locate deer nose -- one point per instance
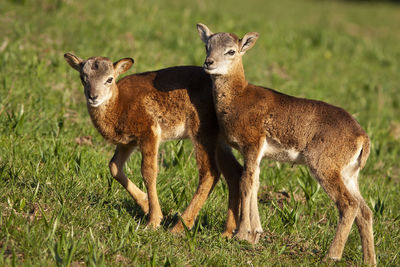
(208, 62)
(93, 98)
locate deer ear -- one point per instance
(248, 40)
(123, 65)
(204, 32)
(74, 61)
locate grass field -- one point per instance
(60, 206)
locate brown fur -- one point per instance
(261, 122)
(148, 108)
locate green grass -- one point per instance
(58, 202)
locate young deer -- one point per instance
(261, 122)
(143, 110)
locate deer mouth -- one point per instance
(100, 100)
(93, 103)
(208, 69)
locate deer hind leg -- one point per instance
(364, 214)
(232, 171)
(346, 202)
(364, 224)
(149, 149)
(116, 166)
(208, 178)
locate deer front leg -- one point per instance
(149, 149)
(254, 214)
(249, 177)
(122, 153)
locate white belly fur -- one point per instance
(273, 150)
(175, 133)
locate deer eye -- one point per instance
(230, 52)
(109, 80)
(82, 79)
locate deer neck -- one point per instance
(228, 86)
(105, 116)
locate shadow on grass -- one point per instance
(125, 205)
(130, 207)
(170, 221)
(134, 210)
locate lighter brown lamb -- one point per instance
(263, 123)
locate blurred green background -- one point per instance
(58, 202)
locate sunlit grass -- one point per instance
(60, 206)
